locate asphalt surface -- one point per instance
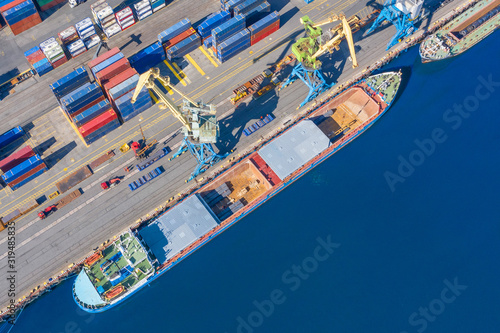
(44, 248)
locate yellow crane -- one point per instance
(200, 126)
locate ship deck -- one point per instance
(124, 253)
(245, 184)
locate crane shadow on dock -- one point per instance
(133, 39)
(59, 154)
(245, 114)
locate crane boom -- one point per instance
(147, 80)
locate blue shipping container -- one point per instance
(108, 62)
(208, 42)
(184, 47)
(22, 168)
(233, 45)
(174, 30)
(30, 178)
(10, 136)
(92, 112)
(84, 93)
(264, 23)
(124, 87)
(247, 6)
(31, 51)
(147, 58)
(66, 84)
(257, 13)
(214, 20)
(228, 29)
(229, 6)
(96, 135)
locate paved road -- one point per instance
(46, 247)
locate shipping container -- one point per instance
(102, 131)
(40, 172)
(156, 5)
(19, 180)
(114, 69)
(86, 106)
(11, 136)
(73, 101)
(128, 110)
(22, 168)
(68, 35)
(174, 30)
(257, 13)
(229, 5)
(103, 57)
(171, 42)
(124, 87)
(128, 73)
(264, 23)
(184, 47)
(214, 20)
(143, 9)
(147, 58)
(265, 32)
(92, 112)
(247, 6)
(111, 60)
(42, 67)
(233, 45)
(16, 158)
(97, 122)
(227, 29)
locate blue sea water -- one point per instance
(420, 255)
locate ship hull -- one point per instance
(277, 188)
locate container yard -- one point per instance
(83, 108)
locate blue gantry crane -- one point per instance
(200, 126)
(402, 14)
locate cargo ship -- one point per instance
(465, 31)
(138, 257)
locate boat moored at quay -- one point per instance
(137, 257)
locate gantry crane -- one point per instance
(200, 126)
(307, 50)
(401, 13)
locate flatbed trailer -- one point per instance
(68, 198)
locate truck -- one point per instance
(59, 204)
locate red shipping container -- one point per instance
(116, 80)
(104, 56)
(11, 5)
(171, 42)
(99, 100)
(27, 174)
(17, 158)
(25, 24)
(51, 4)
(264, 33)
(59, 62)
(112, 70)
(35, 57)
(97, 123)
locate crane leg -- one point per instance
(312, 78)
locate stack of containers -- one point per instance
(92, 112)
(110, 67)
(227, 29)
(68, 36)
(147, 58)
(17, 158)
(54, 52)
(116, 80)
(212, 21)
(156, 5)
(180, 37)
(125, 18)
(87, 33)
(124, 104)
(229, 5)
(233, 45)
(76, 48)
(184, 47)
(99, 126)
(38, 61)
(11, 136)
(257, 13)
(81, 99)
(24, 172)
(105, 18)
(70, 82)
(143, 9)
(264, 27)
(247, 6)
(20, 15)
(174, 30)
(47, 4)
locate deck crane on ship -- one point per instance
(307, 50)
(401, 13)
(200, 126)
